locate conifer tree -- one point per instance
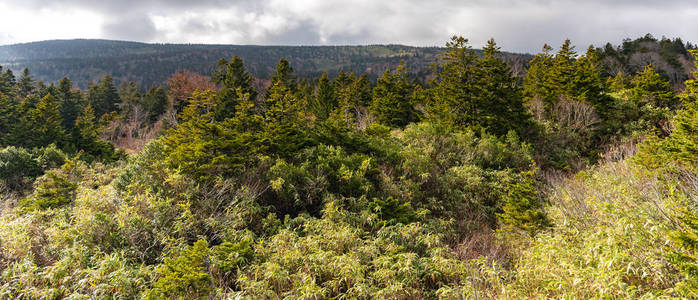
(46, 122)
(25, 84)
(7, 82)
(8, 120)
(104, 97)
(538, 82)
(154, 103)
(498, 95)
(283, 80)
(232, 76)
(454, 93)
(325, 99)
(651, 88)
(393, 99)
(131, 97)
(69, 101)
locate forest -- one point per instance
(575, 178)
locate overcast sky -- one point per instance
(517, 25)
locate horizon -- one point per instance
(517, 25)
(577, 47)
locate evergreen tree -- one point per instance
(283, 80)
(651, 88)
(69, 101)
(131, 97)
(285, 119)
(104, 97)
(8, 120)
(454, 100)
(538, 82)
(498, 95)
(588, 81)
(393, 99)
(232, 76)
(324, 100)
(25, 84)
(46, 122)
(155, 103)
(7, 83)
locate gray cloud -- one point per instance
(518, 25)
(133, 27)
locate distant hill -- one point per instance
(89, 60)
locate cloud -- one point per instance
(134, 27)
(518, 25)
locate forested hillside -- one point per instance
(562, 181)
(90, 60)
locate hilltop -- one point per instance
(89, 60)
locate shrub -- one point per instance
(53, 190)
(17, 167)
(184, 276)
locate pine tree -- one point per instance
(46, 122)
(7, 83)
(25, 85)
(69, 101)
(393, 99)
(325, 99)
(104, 97)
(498, 96)
(155, 103)
(232, 76)
(651, 88)
(454, 93)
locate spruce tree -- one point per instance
(8, 120)
(453, 96)
(69, 101)
(104, 97)
(7, 82)
(498, 95)
(232, 76)
(154, 103)
(46, 123)
(325, 99)
(648, 87)
(25, 85)
(286, 120)
(393, 99)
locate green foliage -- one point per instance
(684, 254)
(17, 167)
(53, 190)
(325, 99)
(395, 98)
(46, 123)
(184, 276)
(302, 194)
(522, 207)
(651, 88)
(392, 211)
(103, 96)
(480, 93)
(232, 76)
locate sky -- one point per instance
(516, 25)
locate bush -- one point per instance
(17, 167)
(184, 276)
(53, 190)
